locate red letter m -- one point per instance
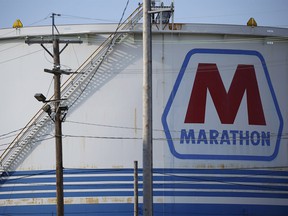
(226, 104)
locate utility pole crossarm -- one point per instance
(43, 41)
(50, 41)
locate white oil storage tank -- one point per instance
(219, 120)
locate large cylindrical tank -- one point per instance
(219, 122)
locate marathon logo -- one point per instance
(234, 109)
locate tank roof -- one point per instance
(182, 28)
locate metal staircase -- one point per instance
(74, 90)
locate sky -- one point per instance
(37, 12)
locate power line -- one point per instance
(17, 130)
(9, 133)
(21, 56)
(104, 56)
(3, 50)
(283, 136)
(103, 125)
(28, 143)
(41, 20)
(102, 137)
(85, 18)
(272, 135)
(114, 138)
(29, 25)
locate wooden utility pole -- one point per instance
(58, 109)
(147, 111)
(58, 130)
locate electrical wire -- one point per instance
(52, 79)
(12, 31)
(121, 138)
(196, 133)
(29, 25)
(41, 20)
(105, 54)
(76, 56)
(17, 45)
(199, 141)
(85, 18)
(3, 136)
(102, 137)
(107, 125)
(21, 56)
(138, 128)
(28, 143)
(9, 133)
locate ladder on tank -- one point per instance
(73, 90)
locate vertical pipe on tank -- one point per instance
(135, 188)
(147, 111)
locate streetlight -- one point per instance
(40, 97)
